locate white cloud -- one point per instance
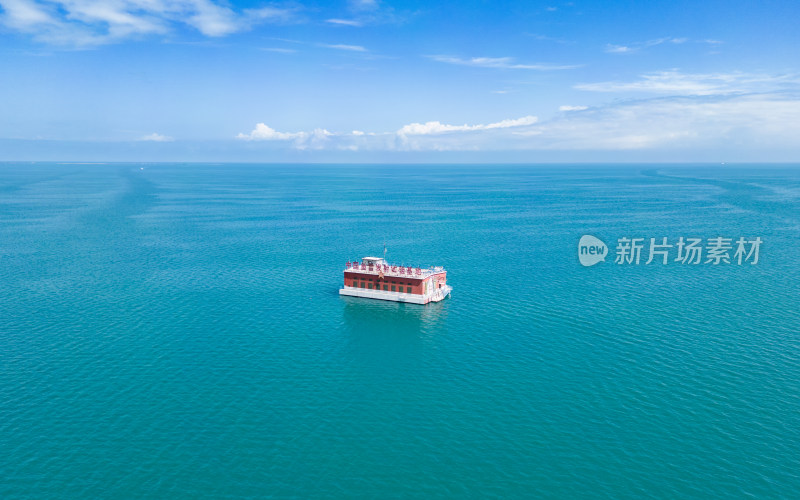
(211, 19)
(406, 137)
(747, 121)
(316, 139)
(572, 108)
(439, 136)
(262, 132)
(345, 22)
(155, 137)
(22, 14)
(414, 136)
(439, 128)
(497, 62)
(92, 22)
(341, 46)
(674, 82)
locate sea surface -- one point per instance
(175, 331)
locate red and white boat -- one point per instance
(374, 278)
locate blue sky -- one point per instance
(193, 80)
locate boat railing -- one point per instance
(391, 269)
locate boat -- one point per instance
(374, 278)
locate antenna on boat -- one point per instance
(382, 264)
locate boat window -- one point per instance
(394, 288)
(408, 289)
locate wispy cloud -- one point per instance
(497, 62)
(674, 82)
(279, 50)
(270, 14)
(368, 12)
(341, 46)
(84, 23)
(412, 136)
(676, 122)
(638, 46)
(546, 38)
(436, 127)
(155, 137)
(335, 46)
(761, 120)
(363, 4)
(345, 22)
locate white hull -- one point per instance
(411, 298)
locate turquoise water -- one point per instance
(175, 331)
